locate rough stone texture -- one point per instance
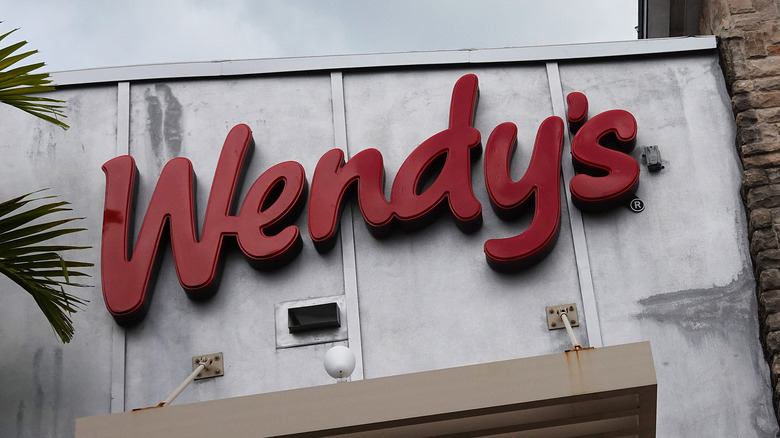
(769, 258)
(755, 178)
(748, 34)
(754, 45)
(762, 240)
(773, 175)
(762, 67)
(741, 6)
(766, 196)
(761, 145)
(762, 84)
(760, 218)
(768, 115)
(770, 279)
(770, 160)
(773, 339)
(770, 301)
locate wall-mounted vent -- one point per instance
(311, 321)
(316, 317)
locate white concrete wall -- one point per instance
(677, 274)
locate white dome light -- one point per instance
(340, 362)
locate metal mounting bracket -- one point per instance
(215, 365)
(554, 319)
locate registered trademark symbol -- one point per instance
(636, 205)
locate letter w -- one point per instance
(128, 279)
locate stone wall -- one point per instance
(748, 34)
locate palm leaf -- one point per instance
(10, 222)
(40, 269)
(11, 60)
(36, 228)
(11, 205)
(17, 83)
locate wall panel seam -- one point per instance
(347, 231)
(118, 341)
(587, 292)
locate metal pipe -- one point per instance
(184, 384)
(575, 345)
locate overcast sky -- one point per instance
(78, 34)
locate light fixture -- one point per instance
(340, 363)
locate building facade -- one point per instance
(749, 44)
(427, 296)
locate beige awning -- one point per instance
(602, 392)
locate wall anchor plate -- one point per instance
(215, 367)
(553, 314)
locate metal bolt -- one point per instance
(571, 308)
(200, 375)
(216, 357)
(553, 325)
(218, 370)
(573, 322)
(551, 311)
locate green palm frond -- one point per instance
(18, 83)
(37, 266)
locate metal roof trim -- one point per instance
(381, 60)
(607, 391)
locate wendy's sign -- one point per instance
(263, 226)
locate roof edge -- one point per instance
(379, 60)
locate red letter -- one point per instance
(329, 186)
(577, 112)
(458, 145)
(540, 186)
(332, 178)
(127, 280)
(599, 150)
(264, 233)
